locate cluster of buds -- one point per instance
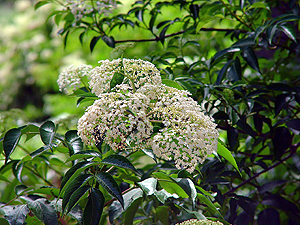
(135, 110)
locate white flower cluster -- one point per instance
(71, 77)
(80, 8)
(140, 112)
(200, 222)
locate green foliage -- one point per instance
(238, 59)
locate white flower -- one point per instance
(200, 222)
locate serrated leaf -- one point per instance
(119, 161)
(172, 83)
(116, 79)
(43, 211)
(72, 187)
(93, 42)
(10, 142)
(47, 132)
(72, 173)
(250, 57)
(17, 214)
(84, 154)
(115, 210)
(110, 185)
(76, 196)
(225, 153)
(289, 30)
(74, 142)
(94, 207)
(148, 185)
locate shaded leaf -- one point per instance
(94, 207)
(194, 10)
(76, 196)
(116, 79)
(281, 203)
(162, 214)
(294, 126)
(289, 30)
(119, 161)
(246, 127)
(281, 140)
(204, 200)
(116, 209)
(131, 211)
(110, 185)
(93, 42)
(188, 186)
(163, 34)
(223, 52)
(84, 154)
(281, 102)
(270, 185)
(149, 152)
(10, 142)
(110, 41)
(250, 57)
(223, 71)
(270, 31)
(268, 216)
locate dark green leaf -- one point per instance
(188, 186)
(119, 161)
(139, 15)
(39, 151)
(289, 30)
(93, 42)
(131, 211)
(4, 221)
(221, 53)
(294, 126)
(162, 214)
(246, 127)
(116, 209)
(72, 173)
(270, 185)
(94, 207)
(19, 189)
(271, 30)
(281, 203)
(116, 79)
(244, 43)
(110, 185)
(10, 142)
(250, 57)
(74, 142)
(282, 140)
(84, 154)
(110, 41)
(76, 196)
(268, 216)
(194, 10)
(30, 131)
(223, 71)
(43, 211)
(281, 102)
(72, 187)
(163, 34)
(16, 215)
(204, 200)
(47, 132)
(17, 171)
(234, 72)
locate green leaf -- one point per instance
(39, 151)
(204, 200)
(250, 57)
(148, 185)
(119, 161)
(149, 152)
(3, 178)
(17, 171)
(110, 185)
(72, 187)
(72, 173)
(30, 131)
(172, 83)
(43, 211)
(19, 189)
(74, 142)
(10, 142)
(261, 5)
(40, 4)
(116, 79)
(76, 196)
(94, 207)
(270, 31)
(116, 209)
(131, 211)
(94, 41)
(188, 186)
(223, 71)
(162, 214)
(289, 30)
(45, 190)
(84, 154)
(47, 132)
(4, 221)
(224, 152)
(217, 57)
(16, 215)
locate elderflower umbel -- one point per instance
(139, 112)
(80, 8)
(199, 222)
(71, 77)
